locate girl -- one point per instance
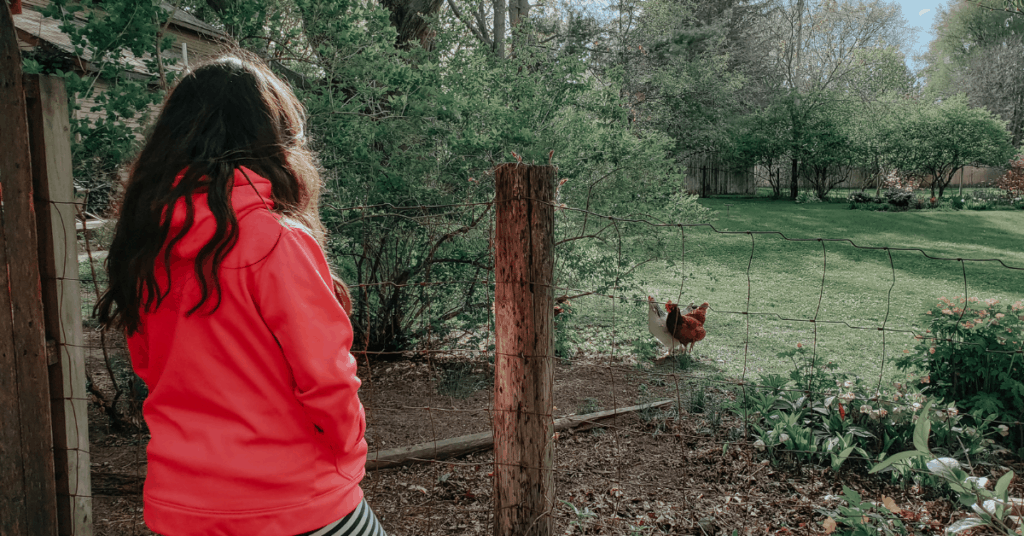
(234, 320)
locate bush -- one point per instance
(808, 197)
(861, 197)
(972, 355)
(920, 203)
(1012, 182)
(899, 197)
(825, 417)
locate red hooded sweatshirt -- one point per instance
(255, 422)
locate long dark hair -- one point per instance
(230, 111)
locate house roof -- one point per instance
(32, 28)
(183, 19)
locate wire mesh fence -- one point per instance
(694, 453)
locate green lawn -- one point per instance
(786, 279)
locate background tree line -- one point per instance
(412, 102)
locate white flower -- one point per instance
(1003, 430)
(783, 438)
(978, 481)
(759, 445)
(989, 507)
(847, 384)
(952, 412)
(847, 397)
(865, 409)
(944, 467)
(916, 406)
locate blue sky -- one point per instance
(923, 23)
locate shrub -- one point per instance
(899, 197)
(808, 197)
(567, 333)
(1012, 182)
(957, 203)
(919, 203)
(860, 197)
(972, 354)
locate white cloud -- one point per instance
(923, 11)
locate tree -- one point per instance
(979, 51)
(828, 148)
(759, 140)
(945, 137)
(828, 58)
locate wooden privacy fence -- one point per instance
(707, 175)
(44, 446)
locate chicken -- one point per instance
(687, 328)
(656, 323)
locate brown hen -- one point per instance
(688, 328)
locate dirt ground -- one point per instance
(655, 472)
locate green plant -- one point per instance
(808, 196)
(993, 508)
(972, 353)
(567, 335)
(697, 399)
(865, 518)
(899, 197)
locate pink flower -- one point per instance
(931, 351)
(926, 379)
(947, 312)
(991, 301)
(928, 313)
(972, 299)
(798, 345)
(1000, 315)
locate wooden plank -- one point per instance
(28, 500)
(50, 135)
(467, 444)
(524, 350)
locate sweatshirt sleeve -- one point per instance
(295, 296)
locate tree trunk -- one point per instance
(407, 18)
(499, 28)
(1017, 121)
(794, 186)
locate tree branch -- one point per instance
(458, 14)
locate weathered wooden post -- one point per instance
(27, 493)
(524, 350)
(50, 140)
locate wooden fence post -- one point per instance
(524, 350)
(28, 491)
(56, 222)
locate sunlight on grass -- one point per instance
(861, 289)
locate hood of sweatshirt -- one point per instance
(250, 193)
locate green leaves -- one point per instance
(923, 429)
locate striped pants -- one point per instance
(360, 522)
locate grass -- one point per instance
(787, 283)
